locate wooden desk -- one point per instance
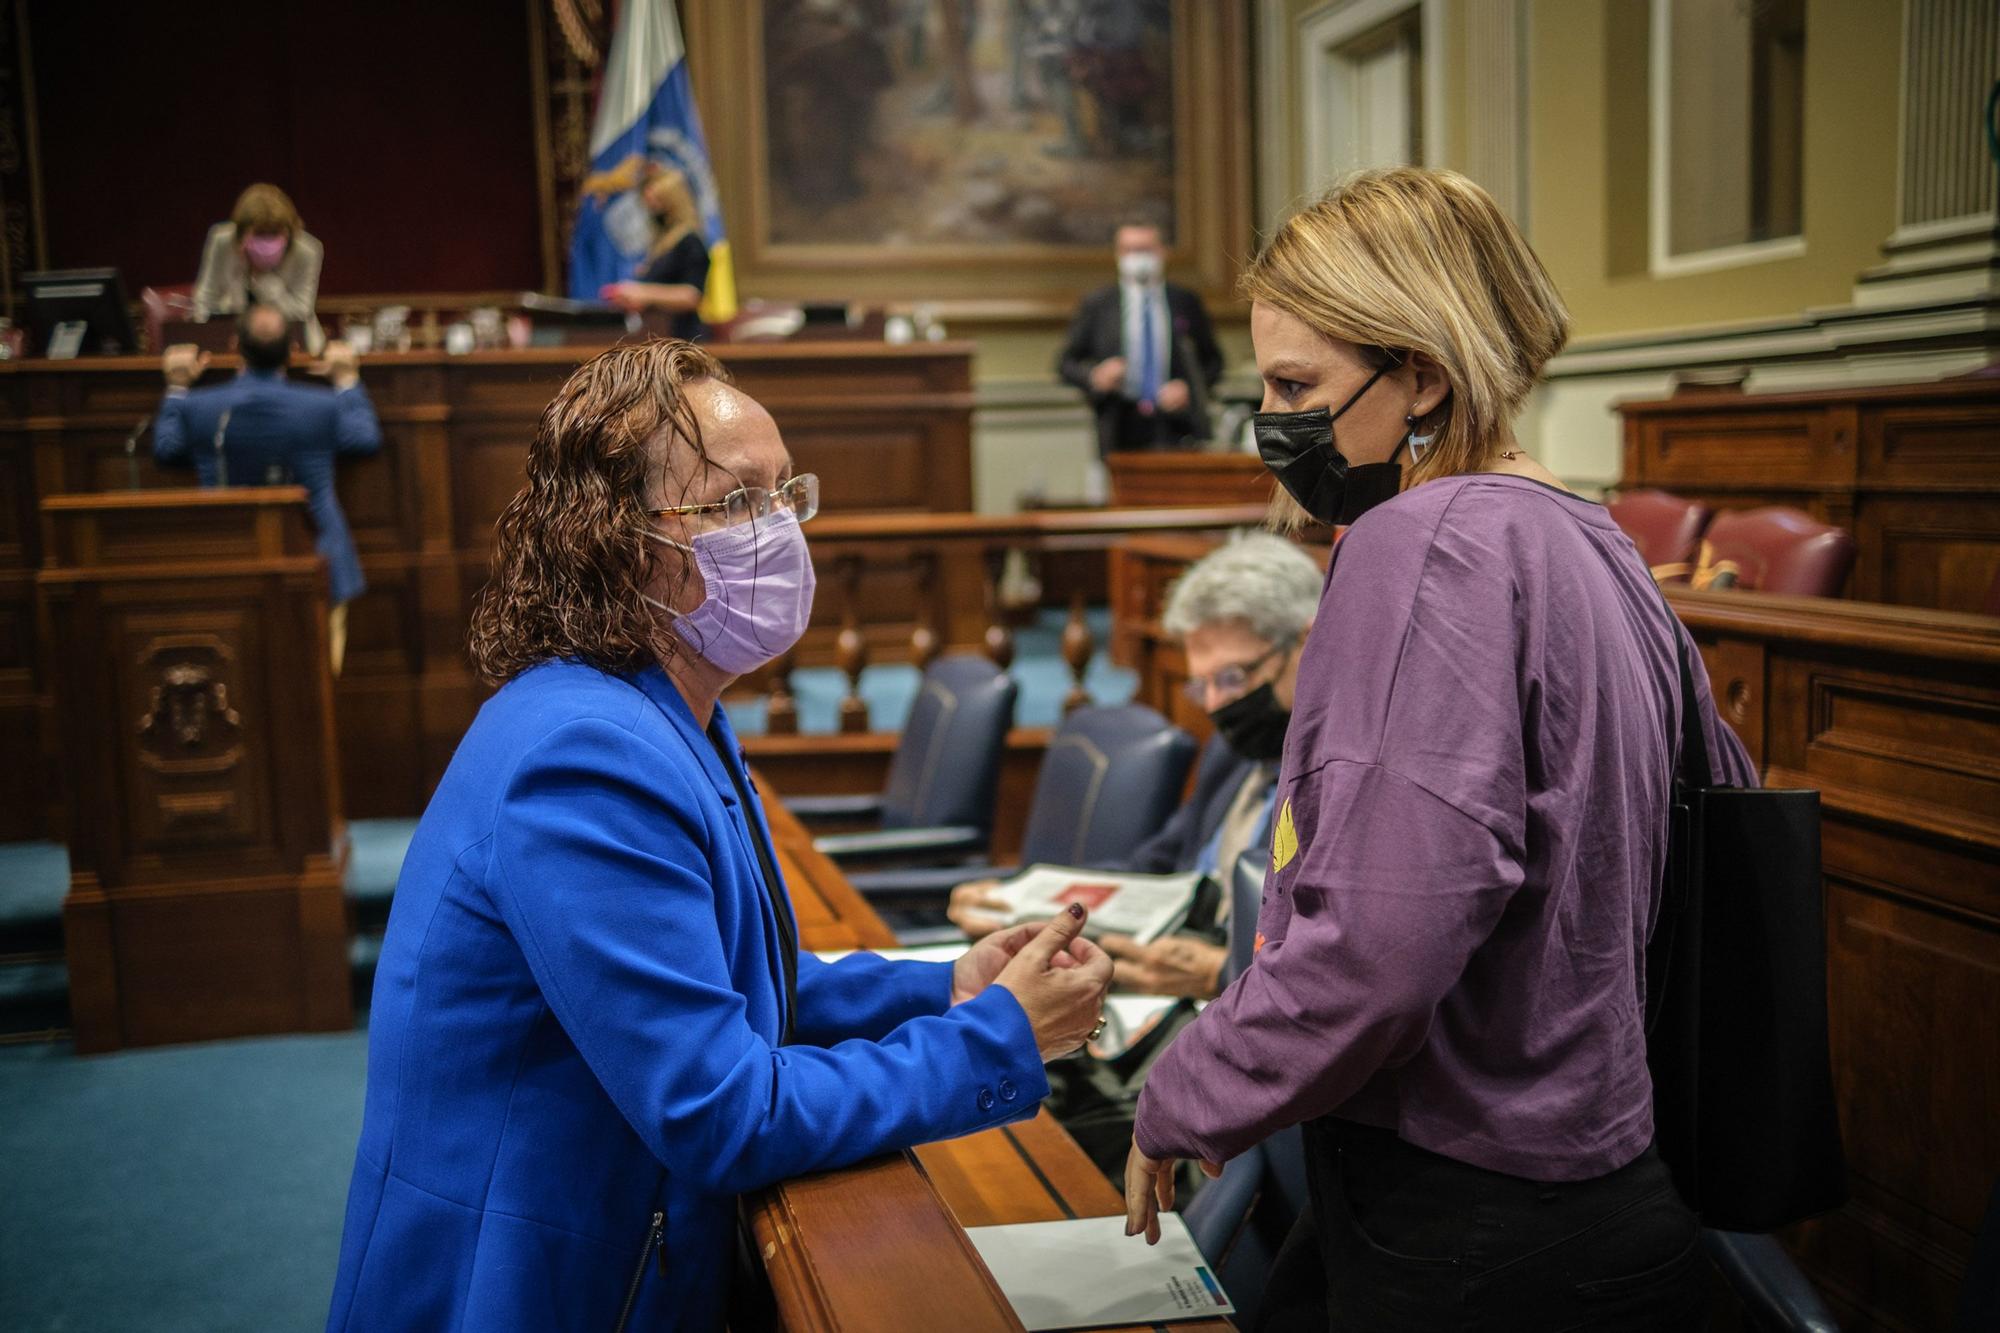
(885, 427)
(881, 1246)
(1912, 471)
(1186, 477)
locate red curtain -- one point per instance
(403, 131)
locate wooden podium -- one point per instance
(186, 639)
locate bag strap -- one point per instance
(1691, 764)
(1692, 771)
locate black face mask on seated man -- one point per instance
(1299, 447)
(1254, 724)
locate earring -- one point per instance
(1418, 443)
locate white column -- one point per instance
(1496, 101)
(1947, 235)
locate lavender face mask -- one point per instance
(759, 580)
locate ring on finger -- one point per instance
(1097, 1031)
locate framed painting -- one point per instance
(976, 152)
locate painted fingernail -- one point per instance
(1076, 910)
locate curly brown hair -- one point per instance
(571, 555)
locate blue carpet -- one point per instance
(190, 1188)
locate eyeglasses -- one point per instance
(1231, 682)
(800, 496)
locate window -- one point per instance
(1728, 118)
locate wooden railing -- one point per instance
(953, 567)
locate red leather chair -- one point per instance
(1775, 550)
(1666, 529)
(164, 305)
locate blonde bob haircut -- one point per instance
(1414, 260)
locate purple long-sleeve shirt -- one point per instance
(1469, 846)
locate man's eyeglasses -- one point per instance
(1231, 682)
(800, 496)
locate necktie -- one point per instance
(1149, 356)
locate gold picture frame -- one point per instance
(1211, 188)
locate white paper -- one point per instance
(1127, 1018)
(1142, 906)
(1087, 1273)
(927, 953)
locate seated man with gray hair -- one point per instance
(1241, 614)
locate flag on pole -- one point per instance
(645, 115)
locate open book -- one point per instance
(1142, 906)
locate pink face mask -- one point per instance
(265, 252)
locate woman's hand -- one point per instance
(1176, 965)
(974, 909)
(1149, 1187)
(1061, 980)
(977, 967)
(628, 296)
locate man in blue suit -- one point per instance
(261, 429)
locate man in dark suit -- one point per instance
(1143, 352)
(261, 429)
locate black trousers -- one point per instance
(1400, 1238)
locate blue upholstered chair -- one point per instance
(1110, 779)
(944, 777)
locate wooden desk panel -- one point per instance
(1912, 471)
(887, 427)
(881, 1246)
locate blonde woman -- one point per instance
(1472, 813)
(674, 273)
(262, 255)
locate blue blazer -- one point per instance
(277, 428)
(573, 1056)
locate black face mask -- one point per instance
(1254, 725)
(1298, 447)
(265, 354)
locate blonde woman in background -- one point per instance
(674, 273)
(1472, 814)
(262, 255)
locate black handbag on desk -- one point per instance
(1736, 1028)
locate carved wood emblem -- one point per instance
(189, 725)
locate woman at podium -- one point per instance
(592, 1024)
(262, 255)
(674, 274)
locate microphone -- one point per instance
(132, 453)
(221, 459)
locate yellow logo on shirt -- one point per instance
(1284, 840)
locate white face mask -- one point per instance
(1139, 266)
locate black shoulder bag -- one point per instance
(1736, 1033)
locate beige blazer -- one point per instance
(226, 279)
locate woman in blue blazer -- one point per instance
(592, 1026)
